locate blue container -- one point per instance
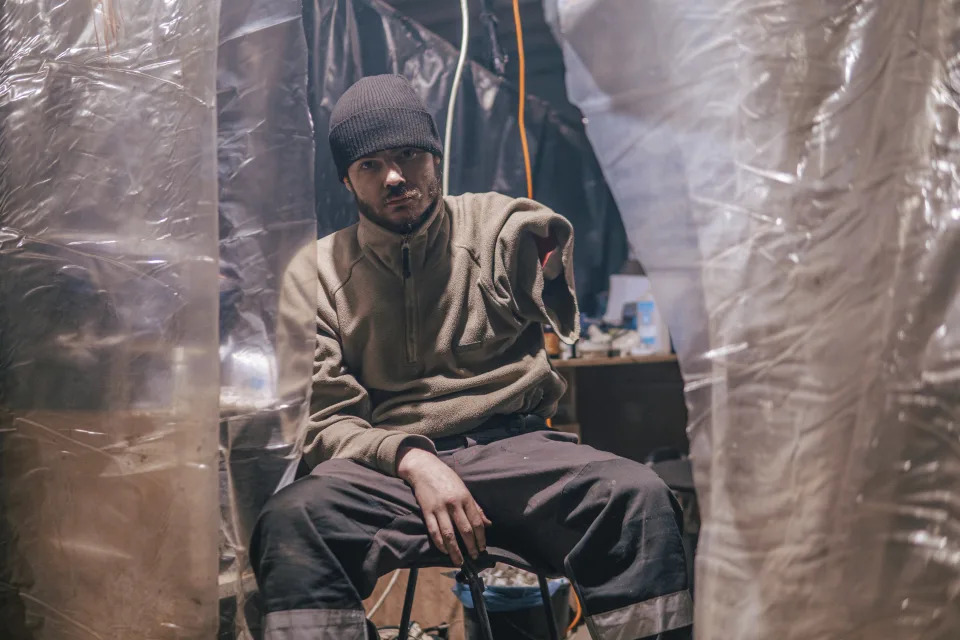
(516, 612)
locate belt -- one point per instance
(492, 430)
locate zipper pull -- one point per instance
(405, 255)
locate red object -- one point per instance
(545, 248)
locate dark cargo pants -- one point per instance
(607, 523)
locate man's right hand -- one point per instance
(446, 503)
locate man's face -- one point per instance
(396, 188)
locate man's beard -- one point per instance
(434, 189)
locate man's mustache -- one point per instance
(402, 192)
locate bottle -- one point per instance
(551, 342)
(651, 329)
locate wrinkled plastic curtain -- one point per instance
(108, 334)
(268, 282)
(788, 173)
(350, 39)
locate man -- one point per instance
(430, 392)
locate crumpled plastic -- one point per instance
(108, 336)
(787, 172)
(268, 282)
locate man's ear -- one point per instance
(346, 183)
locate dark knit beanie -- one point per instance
(378, 113)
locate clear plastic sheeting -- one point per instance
(108, 320)
(268, 279)
(788, 174)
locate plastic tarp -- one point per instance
(350, 39)
(788, 174)
(108, 330)
(268, 282)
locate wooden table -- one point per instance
(578, 363)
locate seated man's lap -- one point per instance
(528, 485)
(542, 491)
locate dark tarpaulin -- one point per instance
(350, 39)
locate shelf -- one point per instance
(575, 363)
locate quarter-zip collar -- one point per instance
(405, 255)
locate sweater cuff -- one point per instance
(390, 446)
(559, 293)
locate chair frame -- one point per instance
(469, 575)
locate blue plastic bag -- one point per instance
(501, 599)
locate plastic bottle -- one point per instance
(651, 329)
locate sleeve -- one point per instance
(339, 423)
(533, 267)
(296, 339)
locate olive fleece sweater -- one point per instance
(431, 334)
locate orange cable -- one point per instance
(523, 98)
(521, 111)
(576, 617)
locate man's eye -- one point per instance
(409, 153)
(366, 166)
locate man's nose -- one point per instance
(394, 177)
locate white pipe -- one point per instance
(386, 592)
(454, 90)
